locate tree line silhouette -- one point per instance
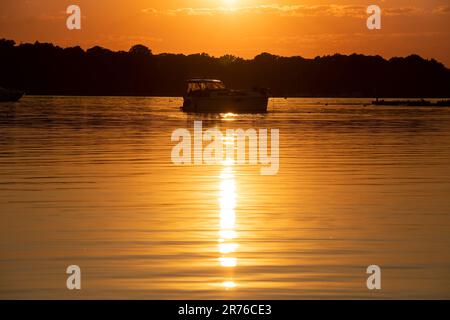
(43, 68)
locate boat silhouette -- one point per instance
(212, 96)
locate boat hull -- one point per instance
(226, 104)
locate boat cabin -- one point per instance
(199, 85)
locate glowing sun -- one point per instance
(229, 3)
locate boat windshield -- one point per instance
(202, 86)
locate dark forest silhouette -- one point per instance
(43, 68)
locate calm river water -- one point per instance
(89, 181)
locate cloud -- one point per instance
(122, 39)
(445, 9)
(149, 11)
(344, 37)
(310, 45)
(287, 10)
(404, 11)
(332, 10)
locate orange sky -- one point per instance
(241, 27)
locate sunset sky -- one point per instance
(241, 27)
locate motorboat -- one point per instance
(212, 96)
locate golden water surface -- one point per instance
(90, 182)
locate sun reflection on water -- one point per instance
(229, 284)
(228, 116)
(227, 244)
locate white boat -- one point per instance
(212, 96)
